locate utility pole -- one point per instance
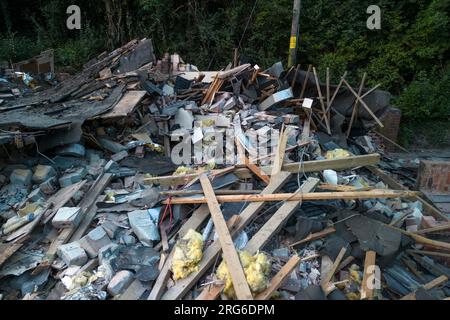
(294, 34)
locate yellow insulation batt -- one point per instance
(256, 269)
(337, 154)
(187, 255)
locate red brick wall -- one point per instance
(434, 176)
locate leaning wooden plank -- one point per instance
(218, 192)
(423, 240)
(326, 279)
(253, 167)
(281, 150)
(194, 222)
(430, 285)
(7, 250)
(345, 263)
(334, 164)
(232, 72)
(321, 100)
(346, 195)
(429, 253)
(306, 166)
(355, 106)
(278, 219)
(230, 254)
(315, 236)
(306, 128)
(88, 206)
(183, 286)
(336, 91)
(26, 230)
(367, 291)
(126, 105)
(257, 171)
(305, 81)
(443, 227)
(279, 278)
(364, 104)
(394, 184)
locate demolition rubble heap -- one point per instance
(305, 204)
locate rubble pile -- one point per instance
(148, 179)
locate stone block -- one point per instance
(43, 173)
(67, 217)
(21, 177)
(94, 241)
(72, 254)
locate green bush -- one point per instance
(426, 97)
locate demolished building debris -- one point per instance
(146, 179)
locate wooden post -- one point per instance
(355, 106)
(294, 34)
(369, 263)
(230, 255)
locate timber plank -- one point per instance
(230, 254)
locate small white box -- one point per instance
(307, 103)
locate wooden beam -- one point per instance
(209, 256)
(346, 195)
(7, 250)
(257, 171)
(334, 164)
(326, 279)
(369, 262)
(423, 240)
(251, 166)
(364, 104)
(355, 106)
(306, 166)
(295, 77)
(279, 278)
(430, 285)
(322, 104)
(305, 81)
(315, 236)
(230, 254)
(281, 150)
(278, 219)
(443, 227)
(336, 91)
(218, 192)
(429, 253)
(345, 263)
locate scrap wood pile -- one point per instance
(295, 207)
